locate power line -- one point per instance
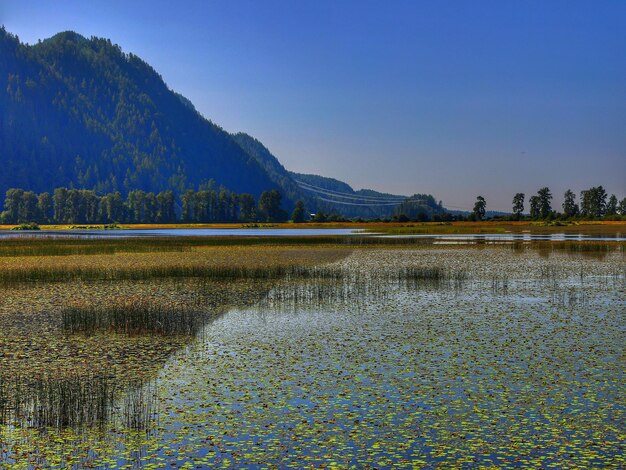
(330, 192)
(375, 204)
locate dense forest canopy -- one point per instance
(81, 113)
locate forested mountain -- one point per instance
(80, 113)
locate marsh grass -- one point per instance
(67, 245)
(75, 401)
(136, 317)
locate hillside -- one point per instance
(274, 169)
(81, 113)
(320, 193)
(333, 195)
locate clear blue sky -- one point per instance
(444, 97)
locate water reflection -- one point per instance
(387, 357)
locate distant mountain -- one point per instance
(320, 193)
(336, 196)
(79, 112)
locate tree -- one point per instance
(188, 205)
(44, 207)
(112, 208)
(269, 206)
(545, 198)
(621, 207)
(136, 202)
(518, 204)
(611, 205)
(570, 208)
(480, 207)
(12, 204)
(534, 206)
(59, 201)
(247, 206)
(593, 202)
(299, 213)
(165, 207)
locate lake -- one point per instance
(300, 232)
(427, 356)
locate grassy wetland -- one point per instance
(311, 352)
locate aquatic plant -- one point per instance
(135, 317)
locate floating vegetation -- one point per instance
(315, 356)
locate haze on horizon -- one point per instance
(449, 98)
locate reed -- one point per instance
(135, 317)
(75, 401)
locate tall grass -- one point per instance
(135, 317)
(75, 401)
(67, 245)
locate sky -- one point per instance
(452, 98)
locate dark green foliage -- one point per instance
(27, 226)
(247, 208)
(621, 207)
(534, 206)
(570, 208)
(593, 202)
(80, 206)
(544, 200)
(299, 213)
(518, 204)
(269, 207)
(611, 205)
(480, 207)
(86, 115)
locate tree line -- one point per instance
(595, 203)
(82, 206)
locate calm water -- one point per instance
(179, 232)
(259, 232)
(508, 237)
(518, 363)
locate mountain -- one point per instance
(81, 113)
(320, 193)
(274, 169)
(333, 195)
